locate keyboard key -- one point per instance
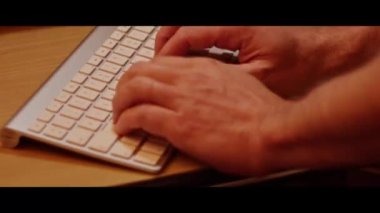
(95, 85)
(123, 28)
(71, 112)
(123, 50)
(97, 114)
(122, 150)
(102, 52)
(102, 76)
(147, 158)
(79, 78)
(54, 106)
(103, 141)
(110, 43)
(110, 67)
(95, 60)
(55, 132)
(79, 103)
(89, 123)
(108, 94)
(87, 69)
(37, 126)
(104, 105)
(145, 29)
(87, 94)
(63, 97)
(154, 146)
(71, 87)
(117, 59)
(63, 122)
(118, 77)
(79, 136)
(154, 34)
(113, 85)
(149, 44)
(138, 58)
(46, 116)
(146, 52)
(126, 68)
(134, 140)
(138, 35)
(117, 35)
(132, 43)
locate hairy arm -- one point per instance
(337, 124)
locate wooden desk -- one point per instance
(28, 55)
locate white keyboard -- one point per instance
(79, 117)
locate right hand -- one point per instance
(288, 60)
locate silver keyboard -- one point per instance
(78, 114)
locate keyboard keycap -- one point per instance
(132, 43)
(123, 28)
(95, 60)
(97, 114)
(46, 116)
(87, 69)
(89, 123)
(95, 85)
(63, 122)
(88, 94)
(113, 85)
(123, 50)
(122, 150)
(145, 29)
(71, 112)
(102, 76)
(154, 146)
(138, 58)
(79, 78)
(110, 43)
(102, 52)
(104, 105)
(63, 97)
(147, 158)
(79, 103)
(103, 141)
(149, 44)
(55, 132)
(110, 67)
(146, 52)
(54, 106)
(138, 35)
(37, 126)
(108, 94)
(117, 59)
(71, 87)
(117, 35)
(79, 136)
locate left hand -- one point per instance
(205, 109)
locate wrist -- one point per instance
(282, 134)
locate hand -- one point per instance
(205, 108)
(288, 60)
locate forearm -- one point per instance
(334, 50)
(336, 124)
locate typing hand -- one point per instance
(205, 108)
(289, 60)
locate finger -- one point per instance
(198, 38)
(151, 118)
(163, 35)
(143, 90)
(157, 71)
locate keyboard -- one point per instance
(78, 116)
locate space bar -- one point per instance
(103, 141)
